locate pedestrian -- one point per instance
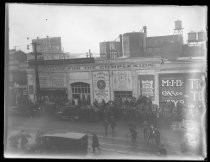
(145, 130)
(134, 136)
(157, 137)
(106, 125)
(95, 143)
(151, 134)
(112, 123)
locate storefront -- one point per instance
(123, 78)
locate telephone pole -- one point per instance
(37, 90)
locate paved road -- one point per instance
(112, 146)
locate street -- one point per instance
(117, 145)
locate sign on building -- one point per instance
(101, 86)
(172, 88)
(147, 86)
(58, 80)
(44, 80)
(122, 80)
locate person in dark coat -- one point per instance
(151, 134)
(112, 123)
(95, 143)
(157, 137)
(134, 136)
(146, 130)
(106, 125)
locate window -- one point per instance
(81, 91)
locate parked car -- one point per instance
(61, 144)
(68, 112)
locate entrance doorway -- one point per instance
(122, 94)
(81, 92)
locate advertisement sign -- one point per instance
(101, 86)
(194, 89)
(181, 88)
(44, 80)
(172, 88)
(147, 86)
(122, 80)
(58, 80)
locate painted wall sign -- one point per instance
(101, 86)
(172, 89)
(44, 80)
(181, 88)
(58, 80)
(111, 66)
(194, 89)
(122, 80)
(147, 86)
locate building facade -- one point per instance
(17, 75)
(91, 79)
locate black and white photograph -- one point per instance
(90, 81)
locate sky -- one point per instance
(83, 27)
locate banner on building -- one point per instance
(147, 86)
(101, 86)
(122, 80)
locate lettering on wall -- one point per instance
(184, 89)
(44, 80)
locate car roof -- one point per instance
(70, 135)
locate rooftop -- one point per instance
(66, 135)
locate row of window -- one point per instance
(80, 90)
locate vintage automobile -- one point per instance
(61, 144)
(68, 112)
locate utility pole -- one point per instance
(37, 91)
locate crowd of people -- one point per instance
(126, 109)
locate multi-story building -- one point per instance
(17, 75)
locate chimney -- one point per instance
(145, 40)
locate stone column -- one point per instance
(68, 85)
(91, 86)
(156, 76)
